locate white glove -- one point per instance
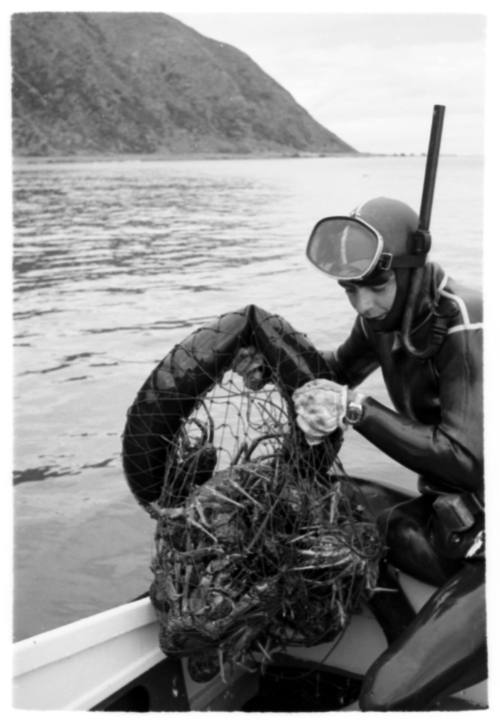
(251, 365)
(320, 406)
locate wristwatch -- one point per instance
(354, 410)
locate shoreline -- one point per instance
(202, 156)
(106, 157)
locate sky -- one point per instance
(371, 79)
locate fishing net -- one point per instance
(262, 541)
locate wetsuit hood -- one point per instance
(396, 222)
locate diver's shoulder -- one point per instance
(463, 302)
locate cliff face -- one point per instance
(141, 83)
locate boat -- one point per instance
(112, 661)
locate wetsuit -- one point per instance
(436, 432)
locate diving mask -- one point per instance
(348, 248)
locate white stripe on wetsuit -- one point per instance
(467, 324)
(471, 326)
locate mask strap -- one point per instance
(408, 261)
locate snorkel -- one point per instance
(422, 239)
(385, 235)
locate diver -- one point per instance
(424, 331)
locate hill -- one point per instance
(145, 83)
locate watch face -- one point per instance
(354, 413)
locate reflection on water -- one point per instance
(90, 224)
(90, 241)
(115, 262)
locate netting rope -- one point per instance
(261, 541)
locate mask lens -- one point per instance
(343, 247)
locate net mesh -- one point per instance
(261, 541)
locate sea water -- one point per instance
(117, 261)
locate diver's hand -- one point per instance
(250, 364)
(321, 407)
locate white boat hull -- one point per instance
(84, 664)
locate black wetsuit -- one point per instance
(436, 432)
